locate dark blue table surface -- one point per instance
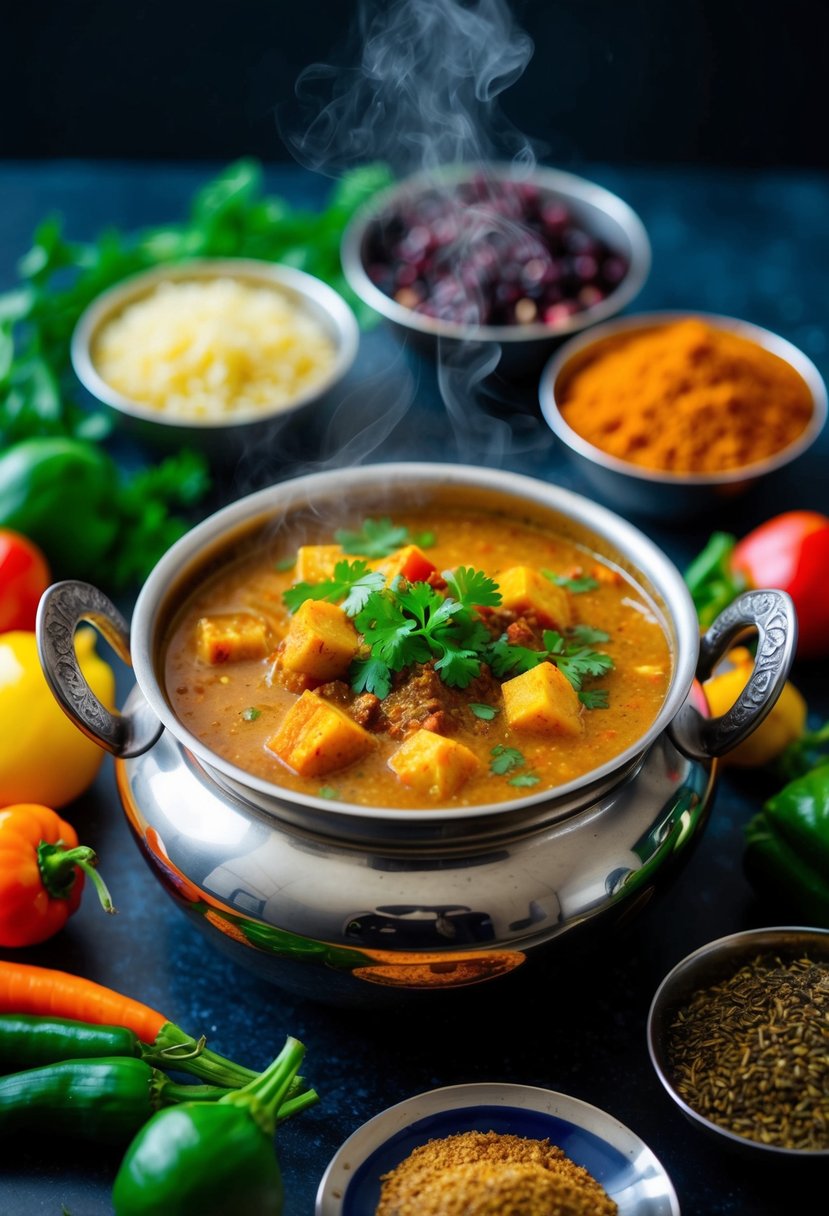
(752, 245)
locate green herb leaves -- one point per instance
(380, 538)
(352, 583)
(576, 586)
(506, 760)
(572, 654)
(413, 623)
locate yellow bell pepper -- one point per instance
(44, 757)
(784, 724)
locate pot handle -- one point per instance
(62, 608)
(772, 614)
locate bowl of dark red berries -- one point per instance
(495, 254)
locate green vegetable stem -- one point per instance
(214, 1158)
(29, 1041)
(104, 1099)
(787, 847)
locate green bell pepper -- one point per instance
(787, 847)
(214, 1158)
(60, 493)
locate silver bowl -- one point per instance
(709, 965)
(523, 348)
(648, 492)
(227, 437)
(344, 902)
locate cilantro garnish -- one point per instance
(575, 585)
(413, 623)
(524, 779)
(505, 759)
(328, 791)
(352, 583)
(251, 713)
(380, 538)
(571, 655)
(594, 698)
(485, 712)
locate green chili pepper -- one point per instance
(213, 1158)
(787, 847)
(59, 492)
(28, 1041)
(102, 1099)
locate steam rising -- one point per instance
(420, 90)
(424, 92)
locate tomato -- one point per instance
(791, 552)
(24, 576)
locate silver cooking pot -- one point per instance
(349, 904)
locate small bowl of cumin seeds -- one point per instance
(738, 1033)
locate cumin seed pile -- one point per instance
(752, 1052)
(491, 1174)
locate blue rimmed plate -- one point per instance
(618, 1159)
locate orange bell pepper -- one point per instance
(42, 873)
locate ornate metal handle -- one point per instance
(772, 614)
(62, 608)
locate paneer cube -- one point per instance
(316, 737)
(315, 563)
(228, 637)
(526, 591)
(410, 562)
(542, 701)
(433, 765)
(321, 641)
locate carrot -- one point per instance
(41, 991)
(38, 990)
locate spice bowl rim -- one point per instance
(452, 1105)
(582, 345)
(315, 294)
(558, 182)
(710, 962)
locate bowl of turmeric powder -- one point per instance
(673, 413)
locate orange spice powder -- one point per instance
(687, 397)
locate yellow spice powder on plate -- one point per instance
(210, 348)
(491, 1174)
(686, 397)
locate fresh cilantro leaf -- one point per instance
(485, 712)
(328, 791)
(585, 636)
(352, 584)
(505, 759)
(577, 586)
(579, 663)
(425, 540)
(507, 660)
(388, 632)
(525, 779)
(472, 588)
(251, 713)
(594, 698)
(371, 675)
(376, 538)
(458, 668)
(285, 563)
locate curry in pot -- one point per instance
(419, 662)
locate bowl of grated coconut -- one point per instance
(225, 354)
